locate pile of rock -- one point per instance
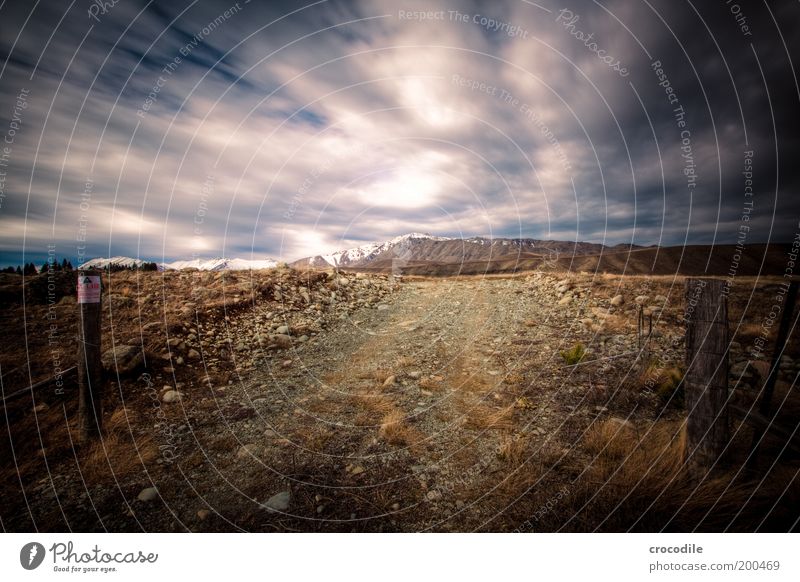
(214, 320)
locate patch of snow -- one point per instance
(200, 264)
(103, 262)
(220, 264)
(369, 250)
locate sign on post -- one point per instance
(90, 392)
(88, 289)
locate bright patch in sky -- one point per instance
(403, 188)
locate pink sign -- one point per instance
(88, 289)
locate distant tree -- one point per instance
(69, 266)
(150, 266)
(19, 270)
(8, 270)
(45, 267)
(30, 269)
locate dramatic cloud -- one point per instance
(237, 129)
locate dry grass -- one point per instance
(483, 417)
(404, 361)
(395, 431)
(378, 404)
(117, 454)
(636, 480)
(665, 381)
(514, 450)
(432, 384)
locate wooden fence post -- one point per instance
(90, 397)
(780, 344)
(764, 407)
(706, 381)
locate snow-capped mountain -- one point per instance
(402, 253)
(221, 264)
(217, 264)
(363, 254)
(416, 252)
(104, 262)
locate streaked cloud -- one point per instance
(285, 131)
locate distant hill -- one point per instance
(425, 254)
(217, 264)
(719, 260)
(418, 248)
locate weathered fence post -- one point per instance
(780, 344)
(765, 406)
(90, 397)
(706, 381)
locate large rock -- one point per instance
(279, 502)
(124, 360)
(148, 494)
(282, 341)
(172, 396)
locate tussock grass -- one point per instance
(483, 417)
(637, 481)
(118, 453)
(395, 431)
(574, 355)
(514, 449)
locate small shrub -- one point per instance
(575, 354)
(670, 388)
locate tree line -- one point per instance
(29, 269)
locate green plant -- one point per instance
(575, 354)
(670, 387)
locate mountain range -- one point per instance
(399, 252)
(218, 264)
(424, 254)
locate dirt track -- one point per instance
(421, 414)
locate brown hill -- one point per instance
(718, 260)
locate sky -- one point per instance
(186, 129)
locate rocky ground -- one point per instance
(305, 401)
